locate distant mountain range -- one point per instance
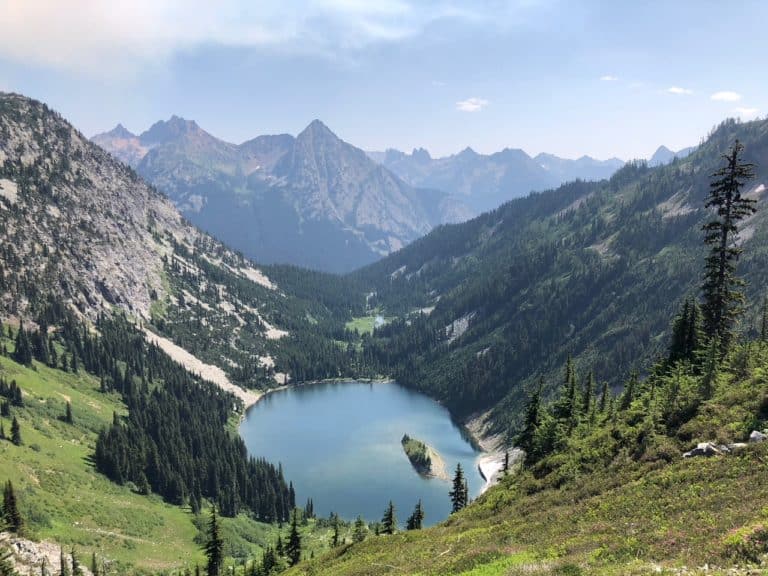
(314, 200)
(311, 200)
(664, 155)
(484, 182)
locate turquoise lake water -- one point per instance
(340, 444)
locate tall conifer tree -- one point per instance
(723, 298)
(293, 548)
(214, 548)
(389, 521)
(458, 493)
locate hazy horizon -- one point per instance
(566, 78)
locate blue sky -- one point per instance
(562, 76)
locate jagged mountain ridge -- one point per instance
(485, 182)
(85, 229)
(313, 200)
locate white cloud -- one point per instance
(97, 36)
(679, 91)
(726, 96)
(473, 104)
(746, 113)
(609, 78)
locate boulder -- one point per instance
(756, 436)
(704, 449)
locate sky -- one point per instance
(566, 77)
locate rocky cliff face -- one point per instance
(75, 222)
(79, 226)
(313, 200)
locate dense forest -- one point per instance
(590, 270)
(174, 441)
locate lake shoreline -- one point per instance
(259, 395)
(489, 462)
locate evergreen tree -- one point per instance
(23, 349)
(686, 333)
(2, 431)
(723, 298)
(603, 398)
(279, 546)
(293, 549)
(764, 322)
(360, 531)
(15, 432)
(587, 394)
(389, 520)
(68, 413)
(710, 369)
(630, 389)
(416, 518)
(335, 535)
(214, 548)
(505, 468)
(458, 493)
(531, 420)
(11, 513)
(94, 565)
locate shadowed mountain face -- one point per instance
(312, 200)
(484, 182)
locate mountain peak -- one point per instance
(421, 155)
(120, 131)
(663, 155)
(166, 130)
(317, 128)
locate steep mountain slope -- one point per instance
(595, 270)
(82, 228)
(312, 200)
(484, 182)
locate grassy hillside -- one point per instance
(616, 496)
(63, 499)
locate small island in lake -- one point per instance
(424, 458)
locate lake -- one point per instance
(340, 445)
